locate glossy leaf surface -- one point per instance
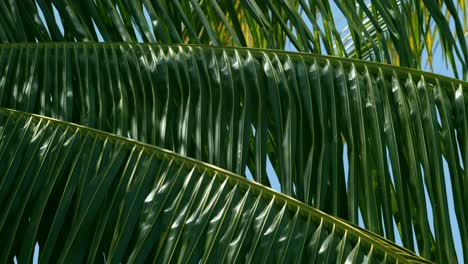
(241, 109)
(85, 195)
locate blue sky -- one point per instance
(439, 67)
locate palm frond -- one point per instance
(241, 108)
(86, 195)
(376, 29)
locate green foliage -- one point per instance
(238, 109)
(87, 192)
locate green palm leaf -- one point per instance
(347, 137)
(240, 108)
(376, 29)
(86, 195)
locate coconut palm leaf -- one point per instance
(391, 31)
(402, 132)
(241, 109)
(86, 195)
